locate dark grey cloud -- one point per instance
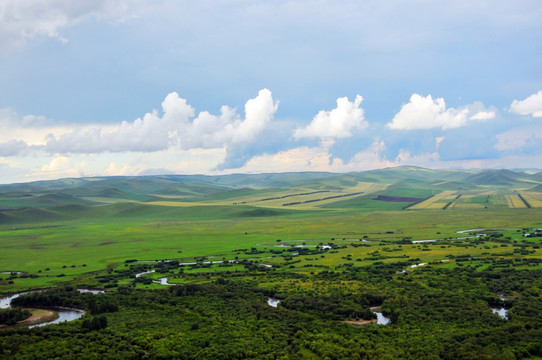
(12, 148)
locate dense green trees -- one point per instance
(11, 316)
(95, 323)
(437, 314)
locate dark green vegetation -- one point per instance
(341, 245)
(11, 316)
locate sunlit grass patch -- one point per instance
(533, 198)
(515, 202)
(438, 201)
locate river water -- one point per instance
(380, 318)
(502, 312)
(273, 302)
(91, 291)
(64, 314)
(163, 281)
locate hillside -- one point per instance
(537, 176)
(173, 196)
(501, 177)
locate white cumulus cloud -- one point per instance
(211, 131)
(57, 163)
(371, 158)
(483, 115)
(297, 159)
(175, 127)
(532, 105)
(337, 123)
(58, 167)
(424, 112)
(114, 170)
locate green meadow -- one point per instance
(59, 230)
(330, 247)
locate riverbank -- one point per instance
(360, 322)
(39, 316)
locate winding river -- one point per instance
(462, 232)
(64, 314)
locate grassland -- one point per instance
(434, 250)
(61, 231)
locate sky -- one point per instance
(148, 87)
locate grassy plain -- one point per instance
(54, 233)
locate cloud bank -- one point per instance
(12, 147)
(177, 139)
(173, 128)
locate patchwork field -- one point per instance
(439, 201)
(468, 201)
(295, 198)
(480, 200)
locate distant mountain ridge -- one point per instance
(186, 195)
(501, 177)
(213, 184)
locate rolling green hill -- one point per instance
(501, 177)
(258, 195)
(537, 176)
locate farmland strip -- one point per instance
(417, 202)
(286, 196)
(524, 201)
(282, 197)
(322, 199)
(534, 199)
(396, 198)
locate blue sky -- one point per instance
(91, 88)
